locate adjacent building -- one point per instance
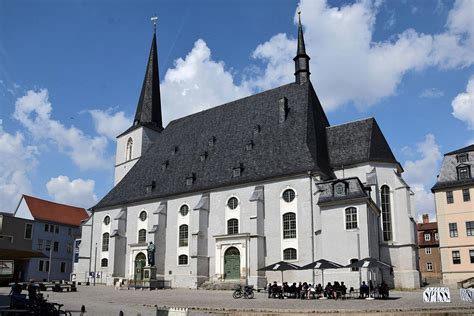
(430, 258)
(454, 190)
(52, 229)
(226, 191)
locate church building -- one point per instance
(226, 191)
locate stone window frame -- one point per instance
(351, 220)
(143, 216)
(290, 254)
(456, 256)
(129, 149)
(288, 195)
(183, 260)
(466, 195)
(428, 251)
(449, 197)
(184, 210)
(183, 235)
(233, 226)
(386, 207)
(289, 225)
(453, 230)
(470, 228)
(104, 263)
(429, 266)
(106, 220)
(463, 172)
(232, 203)
(105, 241)
(142, 235)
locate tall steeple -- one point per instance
(301, 59)
(149, 105)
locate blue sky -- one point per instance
(70, 78)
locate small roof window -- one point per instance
(249, 146)
(256, 129)
(212, 141)
(237, 171)
(190, 179)
(203, 156)
(164, 165)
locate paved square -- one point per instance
(101, 300)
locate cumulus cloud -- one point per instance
(463, 105)
(421, 174)
(110, 124)
(18, 161)
(348, 66)
(33, 111)
(77, 192)
(197, 82)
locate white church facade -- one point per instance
(226, 191)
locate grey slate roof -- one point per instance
(279, 149)
(354, 189)
(357, 142)
(448, 176)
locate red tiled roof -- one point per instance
(55, 212)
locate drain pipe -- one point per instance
(310, 176)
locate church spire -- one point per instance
(149, 105)
(301, 59)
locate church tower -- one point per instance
(301, 59)
(147, 124)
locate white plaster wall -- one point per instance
(23, 211)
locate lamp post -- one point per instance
(95, 263)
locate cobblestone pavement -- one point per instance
(101, 300)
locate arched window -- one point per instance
(183, 235)
(386, 213)
(104, 262)
(183, 260)
(289, 254)
(142, 235)
(232, 226)
(105, 241)
(128, 154)
(232, 203)
(352, 261)
(289, 225)
(288, 195)
(183, 210)
(351, 218)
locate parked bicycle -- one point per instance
(246, 292)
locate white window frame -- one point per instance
(344, 215)
(429, 266)
(427, 237)
(428, 251)
(129, 149)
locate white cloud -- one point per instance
(431, 93)
(463, 105)
(17, 162)
(110, 124)
(196, 83)
(77, 192)
(421, 174)
(348, 66)
(33, 111)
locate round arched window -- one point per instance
(107, 220)
(143, 216)
(183, 210)
(288, 195)
(232, 203)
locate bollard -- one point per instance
(83, 310)
(121, 313)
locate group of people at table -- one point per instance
(336, 290)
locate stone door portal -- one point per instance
(232, 264)
(140, 262)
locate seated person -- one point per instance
(343, 289)
(311, 291)
(336, 289)
(364, 290)
(304, 290)
(275, 290)
(319, 290)
(292, 290)
(328, 291)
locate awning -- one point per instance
(153, 230)
(257, 194)
(122, 214)
(203, 203)
(161, 208)
(15, 254)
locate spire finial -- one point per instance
(153, 20)
(299, 18)
(302, 59)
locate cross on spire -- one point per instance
(154, 20)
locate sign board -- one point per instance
(467, 295)
(436, 295)
(6, 268)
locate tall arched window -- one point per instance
(105, 241)
(183, 235)
(128, 154)
(290, 254)
(232, 226)
(142, 235)
(386, 213)
(289, 225)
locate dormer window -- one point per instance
(150, 187)
(236, 172)
(340, 189)
(190, 180)
(212, 141)
(164, 165)
(174, 151)
(257, 129)
(203, 156)
(249, 146)
(462, 158)
(128, 153)
(464, 172)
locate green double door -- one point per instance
(232, 264)
(140, 261)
